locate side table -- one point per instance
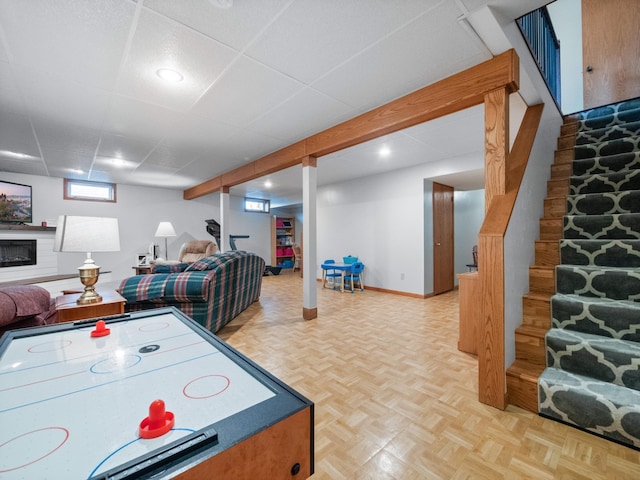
(68, 310)
(142, 269)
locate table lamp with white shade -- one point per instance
(87, 234)
(165, 229)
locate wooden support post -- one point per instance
(491, 364)
(496, 143)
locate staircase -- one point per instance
(522, 375)
(592, 376)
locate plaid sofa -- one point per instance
(212, 291)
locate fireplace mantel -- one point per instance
(32, 228)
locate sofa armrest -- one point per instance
(166, 287)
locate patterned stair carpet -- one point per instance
(592, 379)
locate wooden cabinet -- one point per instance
(470, 301)
(282, 240)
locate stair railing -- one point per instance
(537, 30)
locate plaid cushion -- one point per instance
(170, 268)
(187, 287)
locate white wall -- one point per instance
(385, 220)
(256, 225)
(139, 210)
(566, 17)
(468, 213)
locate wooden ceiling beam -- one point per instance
(450, 95)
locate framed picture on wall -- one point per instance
(142, 259)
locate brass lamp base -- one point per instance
(89, 273)
(89, 296)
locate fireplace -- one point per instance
(14, 253)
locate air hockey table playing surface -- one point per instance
(71, 404)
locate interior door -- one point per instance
(442, 238)
(611, 51)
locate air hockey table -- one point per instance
(144, 395)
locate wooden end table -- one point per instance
(68, 310)
(142, 269)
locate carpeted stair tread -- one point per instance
(598, 316)
(598, 227)
(601, 203)
(606, 253)
(595, 281)
(614, 132)
(602, 408)
(608, 359)
(605, 182)
(607, 164)
(601, 117)
(610, 147)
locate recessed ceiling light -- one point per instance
(169, 75)
(384, 151)
(267, 184)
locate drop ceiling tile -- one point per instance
(245, 146)
(4, 56)
(457, 134)
(69, 160)
(198, 133)
(169, 157)
(102, 176)
(136, 119)
(305, 113)
(55, 97)
(162, 43)
(11, 99)
(128, 149)
(158, 176)
(27, 168)
(208, 167)
(312, 37)
(472, 5)
(56, 136)
(235, 26)
(16, 134)
(244, 92)
(389, 69)
(365, 158)
(65, 172)
(85, 40)
(114, 164)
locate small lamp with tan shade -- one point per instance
(87, 234)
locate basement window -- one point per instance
(256, 205)
(92, 191)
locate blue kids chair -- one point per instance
(355, 275)
(330, 274)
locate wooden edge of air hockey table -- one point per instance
(274, 443)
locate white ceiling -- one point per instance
(80, 98)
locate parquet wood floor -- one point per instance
(395, 399)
